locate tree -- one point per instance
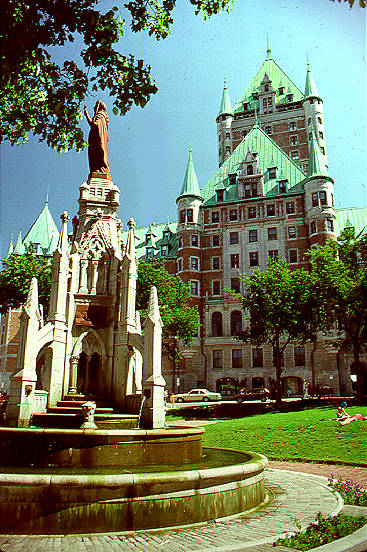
(42, 96)
(15, 279)
(340, 272)
(281, 306)
(180, 320)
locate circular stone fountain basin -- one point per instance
(74, 500)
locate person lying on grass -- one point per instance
(349, 419)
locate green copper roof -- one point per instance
(225, 106)
(190, 186)
(316, 163)
(310, 88)
(19, 248)
(351, 217)
(43, 234)
(168, 241)
(269, 155)
(278, 78)
(11, 247)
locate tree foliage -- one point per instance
(15, 279)
(39, 95)
(340, 272)
(180, 320)
(280, 305)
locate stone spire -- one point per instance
(225, 105)
(190, 186)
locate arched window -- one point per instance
(236, 322)
(250, 169)
(217, 327)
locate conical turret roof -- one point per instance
(225, 105)
(310, 87)
(19, 248)
(43, 233)
(316, 163)
(11, 247)
(190, 186)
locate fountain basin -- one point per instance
(59, 503)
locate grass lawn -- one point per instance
(304, 435)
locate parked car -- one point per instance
(254, 394)
(196, 395)
(324, 391)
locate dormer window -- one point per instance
(166, 234)
(148, 237)
(164, 250)
(220, 195)
(253, 189)
(292, 126)
(232, 179)
(249, 169)
(244, 132)
(289, 97)
(150, 252)
(266, 88)
(255, 96)
(228, 136)
(281, 90)
(283, 186)
(272, 172)
(268, 130)
(245, 106)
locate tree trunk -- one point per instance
(278, 371)
(359, 370)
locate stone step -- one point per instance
(74, 421)
(77, 409)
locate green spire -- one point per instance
(19, 248)
(225, 106)
(316, 164)
(43, 233)
(11, 247)
(268, 50)
(190, 186)
(310, 88)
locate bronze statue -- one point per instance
(98, 138)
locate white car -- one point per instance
(196, 395)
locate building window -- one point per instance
(180, 243)
(179, 265)
(293, 140)
(150, 252)
(299, 356)
(217, 329)
(215, 241)
(233, 238)
(272, 234)
(309, 120)
(236, 358)
(265, 102)
(330, 225)
(292, 126)
(315, 199)
(257, 358)
(235, 261)
(293, 256)
(322, 149)
(244, 132)
(249, 169)
(216, 287)
(255, 96)
(252, 236)
(272, 172)
(290, 207)
(268, 130)
(283, 186)
(215, 216)
(323, 199)
(217, 359)
(164, 250)
(251, 212)
(313, 228)
(273, 254)
(321, 135)
(270, 210)
(235, 285)
(294, 155)
(220, 195)
(245, 106)
(216, 263)
(291, 232)
(228, 150)
(233, 214)
(281, 90)
(190, 215)
(182, 216)
(194, 241)
(194, 287)
(219, 138)
(236, 322)
(2, 334)
(319, 120)
(310, 135)
(194, 263)
(266, 88)
(254, 258)
(228, 135)
(289, 97)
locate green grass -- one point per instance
(304, 435)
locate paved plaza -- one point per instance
(296, 496)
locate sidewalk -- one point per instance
(296, 496)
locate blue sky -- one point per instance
(148, 149)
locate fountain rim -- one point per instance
(166, 431)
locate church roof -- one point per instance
(43, 234)
(279, 79)
(269, 155)
(167, 240)
(225, 105)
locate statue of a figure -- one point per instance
(98, 138)
(88, 411)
